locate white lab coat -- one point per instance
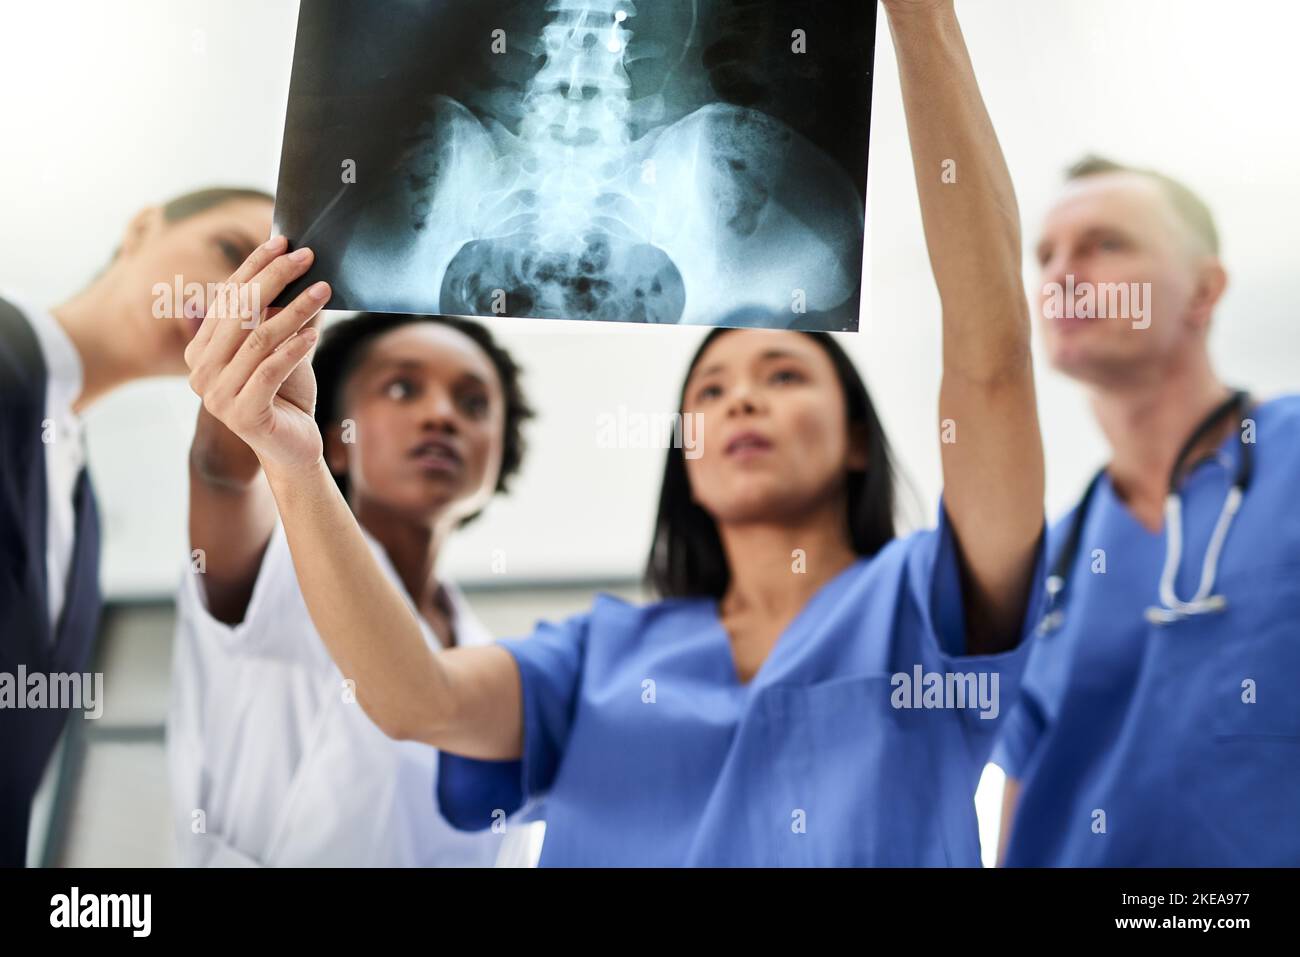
(273, 763)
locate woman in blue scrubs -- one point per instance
(811, 690)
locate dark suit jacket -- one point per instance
(27, 637)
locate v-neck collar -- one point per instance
(720, 634)
(1224, 455)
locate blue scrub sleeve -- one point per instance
(938, 563)
(470, 791)
(937, 571)
(1020, 734)
(473, 794)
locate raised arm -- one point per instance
(464, 700)
(259, 384)
(992, 449)
(232, 515)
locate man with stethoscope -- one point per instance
(1160, 722)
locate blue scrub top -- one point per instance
(650, 752)
(1150, 723)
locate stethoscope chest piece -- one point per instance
(1159, 615)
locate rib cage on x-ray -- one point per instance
(598, 159)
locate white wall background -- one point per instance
(108, 106)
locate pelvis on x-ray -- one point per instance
(561, 188)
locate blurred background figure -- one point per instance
(1177, 568)
(127, 324)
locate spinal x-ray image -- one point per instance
(666, 161)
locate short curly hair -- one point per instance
(343, 346)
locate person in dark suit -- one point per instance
(132, 321)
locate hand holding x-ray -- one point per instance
(247, 361)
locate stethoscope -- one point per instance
(1171, 607)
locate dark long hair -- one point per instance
(344, 345)
(686, 556)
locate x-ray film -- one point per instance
(664, 161)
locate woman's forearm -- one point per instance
(968, 204)
(232, 516)
(366, 624)
(219, 457)
(464, 700)
(991, 445)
